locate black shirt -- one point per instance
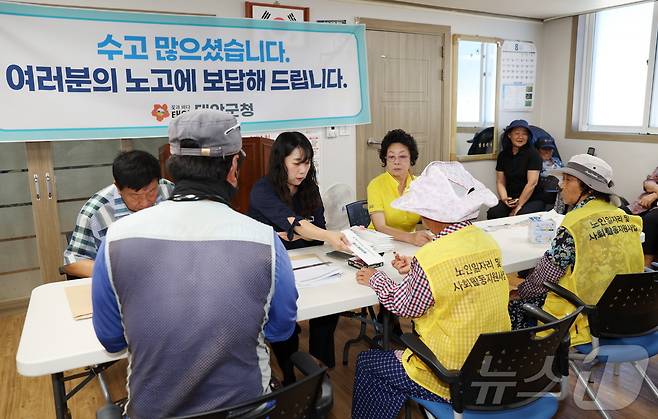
(516, 166)
(266, 206)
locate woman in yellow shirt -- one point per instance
(398, 153)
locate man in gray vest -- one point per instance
(192, 288)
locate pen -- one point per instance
(311, 266)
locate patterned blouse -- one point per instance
(552, 266)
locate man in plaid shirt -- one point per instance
(137, 185)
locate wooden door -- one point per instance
(406, 72)
(253, 168)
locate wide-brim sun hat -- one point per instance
(593, 171)
(446, 192)
(519, 123)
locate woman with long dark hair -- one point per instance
(288, 199)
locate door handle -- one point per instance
(372, 141)
(36, 187)
(48, 186)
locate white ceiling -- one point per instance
(534, 9)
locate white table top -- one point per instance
(347, 294)
(512, 237)
(53, 342)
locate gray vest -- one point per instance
(194, 281)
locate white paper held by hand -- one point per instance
(362, 249)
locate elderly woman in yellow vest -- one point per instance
(398, 153)
(596, 241)
(455, 289)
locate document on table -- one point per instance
(379, 242)
(311, 271)
(79, 298)
(363, 250)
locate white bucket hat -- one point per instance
(593, 171)
(447, 193)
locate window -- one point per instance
(476, 83)
(614, 89)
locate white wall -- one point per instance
(631, 161)
(339, 154)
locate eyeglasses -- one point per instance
(398, 158)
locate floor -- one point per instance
(26, 397)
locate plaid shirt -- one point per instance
(96, 215)
(413, 296)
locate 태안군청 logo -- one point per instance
(160, 112)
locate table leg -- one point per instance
(386, 340)
(59, 393)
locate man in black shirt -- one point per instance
(517, 173)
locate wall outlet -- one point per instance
(331, 132)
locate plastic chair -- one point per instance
(357, 213)
(506, 374)
(623, 325)
(310, 397)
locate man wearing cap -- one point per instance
(595, 242)
(443, 291)
(137, 185)
(517, 173)
(192, 288)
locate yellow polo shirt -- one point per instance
(383, 190)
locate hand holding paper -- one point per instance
(337, 240)
(362, 249)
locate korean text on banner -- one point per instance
(87, 74)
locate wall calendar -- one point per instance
(518, 68)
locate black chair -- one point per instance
(623, 325)
(311, 397)
(510, 373)
(482, 142)
(357, 213)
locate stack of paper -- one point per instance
(380, 242)
(311, 271)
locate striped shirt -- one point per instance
(413, 296)
(97, 214)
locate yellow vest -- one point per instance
(607, 243)
(470, 292)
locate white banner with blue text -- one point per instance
(87, 74)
